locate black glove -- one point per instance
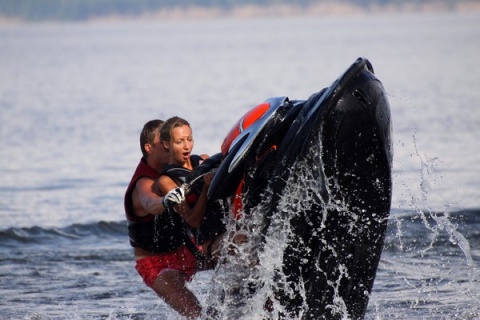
(173, 197)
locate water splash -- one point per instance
(431, 250)
(245, 284)
(442, 220)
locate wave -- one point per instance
(15, 236)
(444, 233)
(406, 227)
(465, 218)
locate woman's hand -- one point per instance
(207, 180)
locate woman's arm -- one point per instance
(191, 215)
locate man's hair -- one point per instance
(148, 134)
(169, 125)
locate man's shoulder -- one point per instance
(144, 170)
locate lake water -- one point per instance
(73, 98)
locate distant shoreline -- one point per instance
(250, 11)
(324, 9)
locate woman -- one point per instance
(176, 136)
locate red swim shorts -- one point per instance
(150, 267)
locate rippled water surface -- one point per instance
(74, 97)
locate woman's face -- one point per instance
(181, 144)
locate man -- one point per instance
(162, 269)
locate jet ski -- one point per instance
(309, 183)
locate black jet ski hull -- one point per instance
(337, 237)
(334, 150)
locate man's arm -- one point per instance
(145, 200)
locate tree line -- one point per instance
(88, 9)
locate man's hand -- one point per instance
(173, 197)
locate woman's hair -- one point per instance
(169, 125)
(148, 134)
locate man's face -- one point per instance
(158, 151)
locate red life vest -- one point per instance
(155, 233)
